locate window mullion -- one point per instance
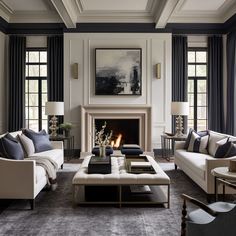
(40, 103)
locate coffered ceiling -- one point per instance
(159, 12)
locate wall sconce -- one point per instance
(158, 70)
(75, 70)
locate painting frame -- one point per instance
(118, 71)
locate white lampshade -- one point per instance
(54, 108)
(180, 108)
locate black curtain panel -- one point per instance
(16, 111)
(231, 83)
(179, 73)
(215, 84)
(55, 70)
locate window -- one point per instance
(197, 88)
(36, 89)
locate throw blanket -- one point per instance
(50, 167)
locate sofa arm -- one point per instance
(179, 145)
(211, 164)
(17, 179)
(57, 144)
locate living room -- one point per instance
(136, 65)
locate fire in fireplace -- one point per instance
(125, 131)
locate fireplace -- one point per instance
(139, 116)
(124, 131)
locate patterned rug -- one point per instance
(55, 214)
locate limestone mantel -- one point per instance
(90, 113)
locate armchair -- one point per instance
(215, 219)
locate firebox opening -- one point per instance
(125, 131)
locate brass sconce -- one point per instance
(158, 70)
(75, 70)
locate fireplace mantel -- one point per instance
(90, 113)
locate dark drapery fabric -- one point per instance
(231, 83)
(16, 111)
(215, 84)
(179, 73)
(55, 70)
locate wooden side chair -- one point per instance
(218, 218)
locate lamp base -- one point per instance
(53, 127)
(179, 126)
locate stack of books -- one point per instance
(99, 165)
(139, 167)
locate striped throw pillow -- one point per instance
(198, 143)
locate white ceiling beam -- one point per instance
(67, 12)
(5, 11)
(163, 12)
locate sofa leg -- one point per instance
(62, 166)
(176, 167)
(32, 204)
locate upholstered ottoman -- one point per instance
(120, 177)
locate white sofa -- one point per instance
(23, 179)
(198, 166)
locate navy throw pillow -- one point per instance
(109, 150)
(10, 148)
(200, 133)
(225, 148)
(131, 151)
(40, 139)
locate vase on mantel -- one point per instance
(102, 150)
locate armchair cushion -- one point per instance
(40, 140)
(10, 148)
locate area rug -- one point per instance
(55, 215)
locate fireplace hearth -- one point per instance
(138, 131)
(124, 131)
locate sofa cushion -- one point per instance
(196, 162)
(40, 140)
(198, 143)
(10, 148)
(27, 144)
(213, 139)
(54, 154)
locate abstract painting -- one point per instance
(118, 71)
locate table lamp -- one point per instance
(54, 109)
(179, 109)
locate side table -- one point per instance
(168, 144)
(69, 143)
(222, 173)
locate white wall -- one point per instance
(3, 88)
(156, 48)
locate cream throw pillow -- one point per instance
(27, 144)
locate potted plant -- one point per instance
(66, 127)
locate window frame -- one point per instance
(40, 80)
(195, 80)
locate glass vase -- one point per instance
(102, 151)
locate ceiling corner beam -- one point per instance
(66, 11)
(163, 14)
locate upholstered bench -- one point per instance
(120, 177)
